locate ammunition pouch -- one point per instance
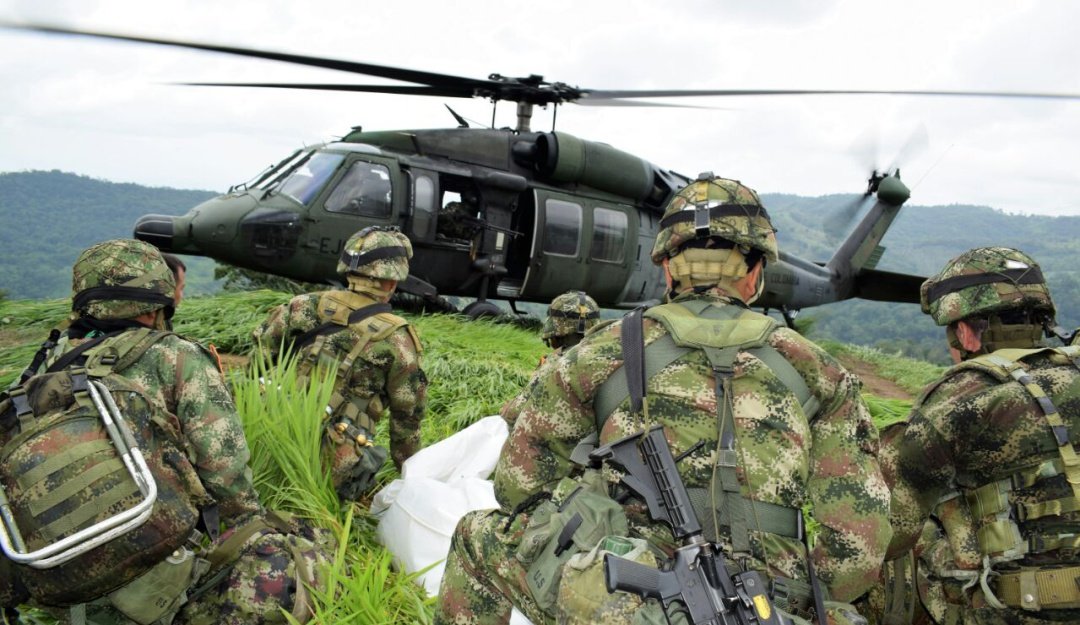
(1040, 588)
(583, 598)
(162, 590)
(578, 517)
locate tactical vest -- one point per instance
(369, 322)
(96, 488)
(721, 332)
(1003, 527)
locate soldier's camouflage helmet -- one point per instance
(381, 252)
(121, 279)
(573, 312)
(984, 281)
(714, 207)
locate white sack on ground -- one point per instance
(439, 484)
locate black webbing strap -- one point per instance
(574, 315)
(127, 293)
(815, 585)
(72, 356)
(632, 337)
(40, 356)
(210, 519)
(355, 261)
(330, 327)
(716, 212)
(1030, 275)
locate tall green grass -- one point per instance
(473, 368)
(283, 424)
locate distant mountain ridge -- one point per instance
(48, 217)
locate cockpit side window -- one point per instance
(305, 182)
(363, 190)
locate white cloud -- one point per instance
(102, 109)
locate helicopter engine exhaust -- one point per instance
(564, 158)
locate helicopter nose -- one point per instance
(156, 230)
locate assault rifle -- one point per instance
(698, 576)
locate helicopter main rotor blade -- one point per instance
(615, 102)
(531, 89)
(396, 89)
(598, 94)
(382, 71)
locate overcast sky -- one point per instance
(105, 109)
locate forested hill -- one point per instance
(47, 218)
(920, 241)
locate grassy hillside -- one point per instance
(473, 366)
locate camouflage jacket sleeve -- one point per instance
(512, 408)
(926, 456)
(556, 412)
(213, 433)
(405, 389)
(294, 317)
(846, 490)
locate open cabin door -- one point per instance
(581, 244)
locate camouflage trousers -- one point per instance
(484, 580)
(272, 577)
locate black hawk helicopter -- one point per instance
(496, 213)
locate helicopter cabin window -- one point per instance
(304, 183)
(609, 235)
(423, 201)
(363, 190)
(562, 226)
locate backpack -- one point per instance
(96, 487)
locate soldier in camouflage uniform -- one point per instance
(376, 356)
(569, 317)
(994, 439)
(260, 564)
(772, 449)
(921, 586)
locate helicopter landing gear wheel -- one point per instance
(477, 310)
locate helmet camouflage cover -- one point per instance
(984, 281)
(573, 312)
(381, 252)
(713, 207)
(121, 279)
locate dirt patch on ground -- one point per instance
(233, 361)
(872, 382)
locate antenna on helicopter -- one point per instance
(460, 120)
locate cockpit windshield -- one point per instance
(308, 178)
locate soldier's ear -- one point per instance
(667, 273)
(969, 336)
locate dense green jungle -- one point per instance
(48, 217)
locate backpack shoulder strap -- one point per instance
(681, 317)
(332, 327)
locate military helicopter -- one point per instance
(496, 213)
